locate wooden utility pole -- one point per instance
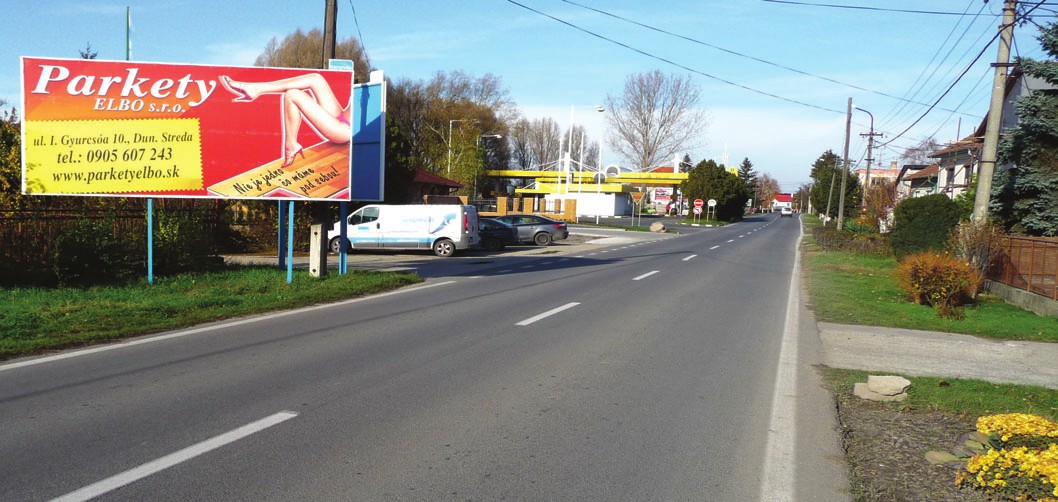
(845, 168)
(995, 115)
(318, 242)
(330, 28)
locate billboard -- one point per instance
(131, 129)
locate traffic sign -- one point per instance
(697, 209)
(712, 202)
(699, 203)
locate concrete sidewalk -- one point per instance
(929, 353)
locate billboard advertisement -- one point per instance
(131, 129)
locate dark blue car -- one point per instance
(496, 235)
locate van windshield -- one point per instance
(365, 215)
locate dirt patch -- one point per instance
(886, 447)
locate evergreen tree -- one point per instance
(748, 177)
(708, 180)
(747, 174)
(1025, 196)
(823, 171)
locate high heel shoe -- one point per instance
(289, 159)
(241, 96)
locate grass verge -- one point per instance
(969, 397)
(34, 320)
(851, 288)
(885, 443)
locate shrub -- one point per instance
(91, 251)
(830, 239)
(923, 224)
(862, 225)
(979, 243)
(938, 280)
(182, 241)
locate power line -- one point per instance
(747, 56)
(961, 75)
(876, 9)
(673, 63)
(915, 88)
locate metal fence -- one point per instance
(1029, 263)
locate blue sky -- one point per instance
(780, 102)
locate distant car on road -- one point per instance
(495, 235)
(784, 212)
(536, 229)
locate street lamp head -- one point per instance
(600, 108)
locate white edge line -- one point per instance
(691, 257)
(193, 331)
(644, 276)
(549, 313)
(777, 477)
(155, 466)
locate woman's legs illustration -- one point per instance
(305, 97)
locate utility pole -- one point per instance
(330, 21)
(321, 216)
(995, 115)
(845, 168)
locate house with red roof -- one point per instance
(782, 200)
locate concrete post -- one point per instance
(318, 251)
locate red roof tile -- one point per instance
(428, 178)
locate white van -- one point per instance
(442, 228)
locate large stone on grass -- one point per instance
(888, 385)
(862, 390)
(657, 227)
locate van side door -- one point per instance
(363, 228)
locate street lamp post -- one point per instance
(483, 136)
(450, 122)
(569, 144)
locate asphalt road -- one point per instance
(643, 371)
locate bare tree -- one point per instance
(534, 143)
(305, 50)
(654, 117)
(584, 152)
(919, 154)
(767, 189)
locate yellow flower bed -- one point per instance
(1022, 472)
(1017, 424)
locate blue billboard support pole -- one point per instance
(281, 237)
(150, 241)
(343, 231)
(290, 243)
(150, 202)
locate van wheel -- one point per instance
(542, 239)
(335, 245)
(444, 248)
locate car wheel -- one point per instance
(542, 239)
(492, 244)
(444, 248)
(335, 245)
